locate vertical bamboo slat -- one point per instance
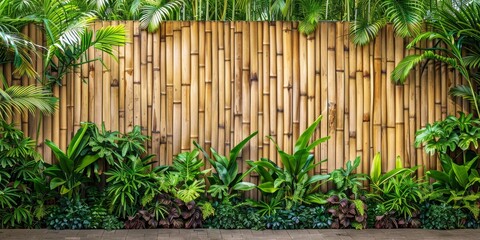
(216, 83)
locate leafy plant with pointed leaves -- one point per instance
(457, 184)
(131, 184)
(346, 181)
(292, 181)
(397, 190)
(226, 179)
(455, 43)
(68, 174)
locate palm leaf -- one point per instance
(155, 12)
(406, 16)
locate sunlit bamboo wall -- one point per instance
(217, 82)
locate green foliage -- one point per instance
(184, 179)
(397, 190)
(180, 214)
(226, 180)
(130, 185)
(347, 213)
(67, 174)
(443, 216)
(104, 144)
(346, 181)
(447, 135)
(234, 215)
(292, 181)
(70, 214)
(301, 217)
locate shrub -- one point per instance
(235, 216)
(299, 217)
(443, 216)
(70, 214)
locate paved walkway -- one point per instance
(368, 234)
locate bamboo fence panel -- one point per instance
(217, 82)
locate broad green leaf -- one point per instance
(317, 178)
(267, 187)
(86, 161)
(461, 174)
(66, 164)
(244, 186)
(439, 176)
(376, 168)
(76, 140)
(304, 138)
(236, 150)
(56, 182)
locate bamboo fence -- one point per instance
(217, 82)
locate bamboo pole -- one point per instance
(266, 90)
(324, 93)
(332, 98)
(340, 94)
(141, 87)
(260, 80)
(177, 88)
(169, 85)
(254, 100)
(194, 84)
(157, 95)
(163, 157)
(229, 77)
(353, 113)
(98, 84)
(222, 81)
(107, 89)
(129, 76)
(148, 88)
(185, 86)
(279, 86)
(214, 98)
(272, 91)
(287, 87)
(390, 87)
(400, 139)
(367, 107)
(208, 86)
(122, 82)
(201, 85)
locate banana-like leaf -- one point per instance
(85, 162)
(244, 186)
(66, 164)
(267, 187)
(376, 168)
(56, 182)
(304, 138)
(236, 150)
(317, 178)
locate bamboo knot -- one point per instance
(114, 82)
(254, 77)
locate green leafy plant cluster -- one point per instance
(443, 216)
(301, 217)
(235, 215)
(70, 214)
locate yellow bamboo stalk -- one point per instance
(156, 97)
(208, 86)
(185, 88)
(194, 84)
(122, 83)
(266, 89)
(340, 81)
(229, 77)
(201, 85)
(353, 113)
(332, 98)
(324, 93)
(254, 85)
(399, 105)
(107, 89)
(148, 88)
(246, 90)
(273, 92)
(169, 86)
(279, 85)
(129, 75)
(177, 88)
(214, 87)
(163, 157)
(287, 86)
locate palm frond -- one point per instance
(406, 16)
(155, 12)
(25, 98)
(362, 31)
(464, 92)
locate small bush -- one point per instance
(443, 216)
(300, 217)
(70, 214)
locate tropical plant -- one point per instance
(443, 216)
(348, 213)
(371, 16)
(67, 174)
(70, 214)
(132, 144)
(454, 44)
(346, 181)
(179, 213)
(299, 217)
(292, 181)
(234, 215)
(104, 143)
(457, 184)
(184, 180)
(446, 136)
(397, 190)
(131, 184)
(226, 179)
(17, 99)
